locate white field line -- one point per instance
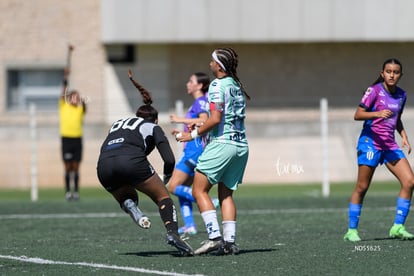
(94, 265)
(246, 212)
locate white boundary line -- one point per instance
(246, 212)
(115, 267)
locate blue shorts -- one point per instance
(189, 159)
(223, 163)
(370, 156)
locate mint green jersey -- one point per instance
(226, 96)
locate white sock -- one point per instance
(229, 230)
(211, 223)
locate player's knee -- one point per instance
(410, 184)
(171, 187)
(361, 190)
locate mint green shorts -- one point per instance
(223, 163)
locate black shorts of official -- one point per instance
(118, 171)
(71, 149)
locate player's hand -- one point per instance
(385, 114)
(173, 118)
(191, 126)
(406, 145)
(183, 137)
(175, 131)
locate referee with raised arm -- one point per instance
(71, 112)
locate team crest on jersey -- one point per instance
(368, 91)
(370, 155)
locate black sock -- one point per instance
(76, 181)
(67, 181)
(168, 214)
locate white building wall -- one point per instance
(260, 20)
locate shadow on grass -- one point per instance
(177, 254)
(386, 239)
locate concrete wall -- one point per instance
(141, 21)
(36, 34)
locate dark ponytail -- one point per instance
(146, 111)
(204, 79)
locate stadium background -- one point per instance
(292, 54)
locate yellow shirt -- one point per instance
(71, 119)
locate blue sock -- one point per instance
(186, 207)
(354, 213)
(184, 192)
(403, 207)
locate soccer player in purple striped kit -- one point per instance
(381, 108)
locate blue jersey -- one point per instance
(193, 148)
(199, 106)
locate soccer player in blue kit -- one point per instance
(380, 109)
(182, 178)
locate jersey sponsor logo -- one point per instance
(237, 137)
(116, 141)
(393, 105)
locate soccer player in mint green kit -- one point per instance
(381, 108)
(224, 159)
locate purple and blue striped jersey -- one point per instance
(380, 130)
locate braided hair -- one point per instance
(229, 59)
(146, 111)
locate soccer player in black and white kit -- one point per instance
(123, 168)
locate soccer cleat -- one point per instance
(75, 196)
(137, 216)
(187, 230)
(398, 231)
(68, 196)
(352, 235)
(209, 246)
(175, 240)
(228, 248)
